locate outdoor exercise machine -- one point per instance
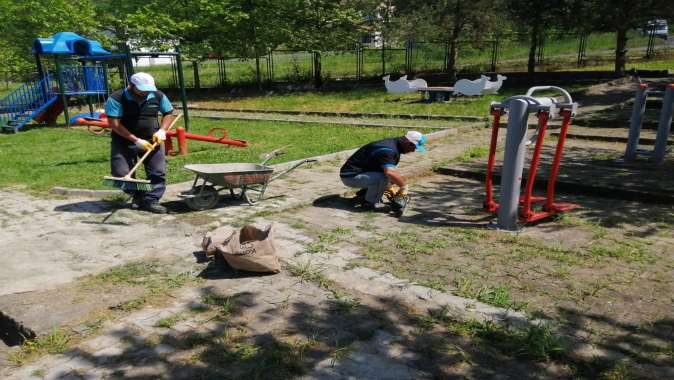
(512, 207)
(656, 156)
(71, 66)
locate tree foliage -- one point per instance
(251, 28)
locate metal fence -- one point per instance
(504, 53)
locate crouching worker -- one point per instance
(372, 169)
(132, 114)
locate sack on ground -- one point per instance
(217, 240)
(251, 249)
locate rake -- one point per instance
(128, 182)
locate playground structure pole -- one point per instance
(183, 95)
(635, 122)
(62, 90)
(664, 126)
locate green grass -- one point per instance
(7, 87)
(41, 158)
(54, 343)
(362, 100)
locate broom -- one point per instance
(128, 182)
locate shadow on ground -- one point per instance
(251, 337)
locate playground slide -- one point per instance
(51, 113)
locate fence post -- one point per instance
(494, 53)
(383, 57)
(270, 66)
(408, 56)
(650, 49)
(582, 43)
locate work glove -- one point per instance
(143, 145)
(390, 193)
(159, 137)
(402, 192)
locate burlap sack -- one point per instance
(249, 249)
(217, 240)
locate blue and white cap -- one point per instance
(143, 82)
(417, 139)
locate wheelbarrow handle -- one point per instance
(293, 167)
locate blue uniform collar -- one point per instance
(129, 96)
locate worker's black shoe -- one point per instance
(153, 207)
(368, 206)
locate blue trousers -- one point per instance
(125, 154)
(375, 183)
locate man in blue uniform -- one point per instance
(373, 168)
(132, 114)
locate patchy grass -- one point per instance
(169, 322)
(309, 272)
(472, 153)
(497, 295)
(55, 342)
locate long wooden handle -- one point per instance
(147, 153)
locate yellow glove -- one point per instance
(159, 137)
(143, 145)
(390, 193)
(402, 192)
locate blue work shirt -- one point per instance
(113, 108)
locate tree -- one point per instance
(535, 17)
(24, 21)
(434, 19)
(620, 16)
(321, 25)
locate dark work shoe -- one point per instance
(367, 206)
(153, 207)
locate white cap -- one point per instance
(143, 82)
(417, 139)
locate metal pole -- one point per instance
(383, 57)
(664, 125)
(513, 163)
(183, 95)
(64, 99)
(635, 122)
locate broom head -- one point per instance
(127, 183)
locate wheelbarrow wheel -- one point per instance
(205, 197)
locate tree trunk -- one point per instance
(318, 78)
(453, 54)
(195, 70)
(258, 76)
(620, 51)
(531, 66)
(454, 42)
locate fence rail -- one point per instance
(504, 53)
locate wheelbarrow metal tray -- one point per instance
(233, 175)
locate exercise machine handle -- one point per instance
(567, 96)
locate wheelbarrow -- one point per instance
(241, 179)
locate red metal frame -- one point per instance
(527, 214)
(489, 203)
